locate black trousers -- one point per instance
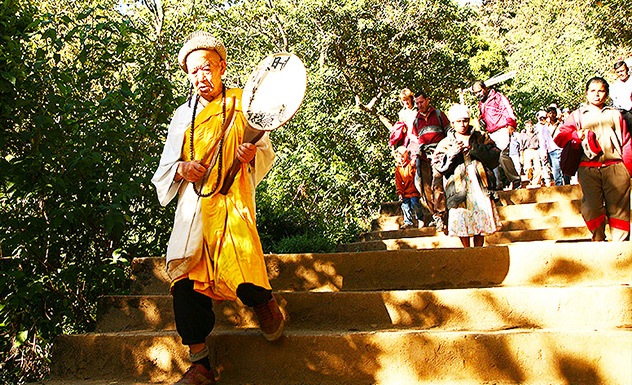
(507, 165)
(193, 311)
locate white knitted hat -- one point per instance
(458, 112)
(200, 40)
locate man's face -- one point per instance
(622, 73)
(422, 103)
(480, 92)
(551, 116)
(205, 70)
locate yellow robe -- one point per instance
(232, 252)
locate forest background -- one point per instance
(87, 89)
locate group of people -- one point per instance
(214, 252)
(446, 166)
(452, 171)
(534, 152)
(421, 127)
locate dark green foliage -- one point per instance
(78, 149)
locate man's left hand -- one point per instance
(246, 152)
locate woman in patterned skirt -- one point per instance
(465, 158)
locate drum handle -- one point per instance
(230, 177)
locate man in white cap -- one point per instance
(214, 252)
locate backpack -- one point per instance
(398, 135)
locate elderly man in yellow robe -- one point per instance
(214, 252)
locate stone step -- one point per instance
(411, 240)
(544, 222)
(538, 210)
(575, 308)
(570, 210)
(521, 264)
(542, 194)
(517, 356)
(513, 197)
(540, 223)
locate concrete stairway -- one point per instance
(547, 213)
(523, 313)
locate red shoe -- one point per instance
(197, 375)
(271, 321)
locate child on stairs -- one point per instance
(406, 190)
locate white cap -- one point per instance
(200, 40)
(458, 112)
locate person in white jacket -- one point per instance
(214, 251)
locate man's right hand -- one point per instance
(190, 171)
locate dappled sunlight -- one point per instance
(562, 271)
(543, 194)
(149, 276)
(306, 357)
(332, 363)
(121, 313)
(142, 356)
(574, 369)
(152, 314)
(538, 312)
(414, 308)
(303, 272)
(235, 314)
(395, 364)
(439, 241)
(348, 357)
(590, 359)
(164, 359)
(313, 278)
(491, 310)
(416, 357)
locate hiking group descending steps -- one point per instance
(448, 172)
(381, 317)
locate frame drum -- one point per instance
(274, 91)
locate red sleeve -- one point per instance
(568, 131)
(398, 181)
(626, 145)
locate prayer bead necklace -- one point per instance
(221, 146)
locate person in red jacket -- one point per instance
(496, 117)
(605, 164)
(406, 190)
